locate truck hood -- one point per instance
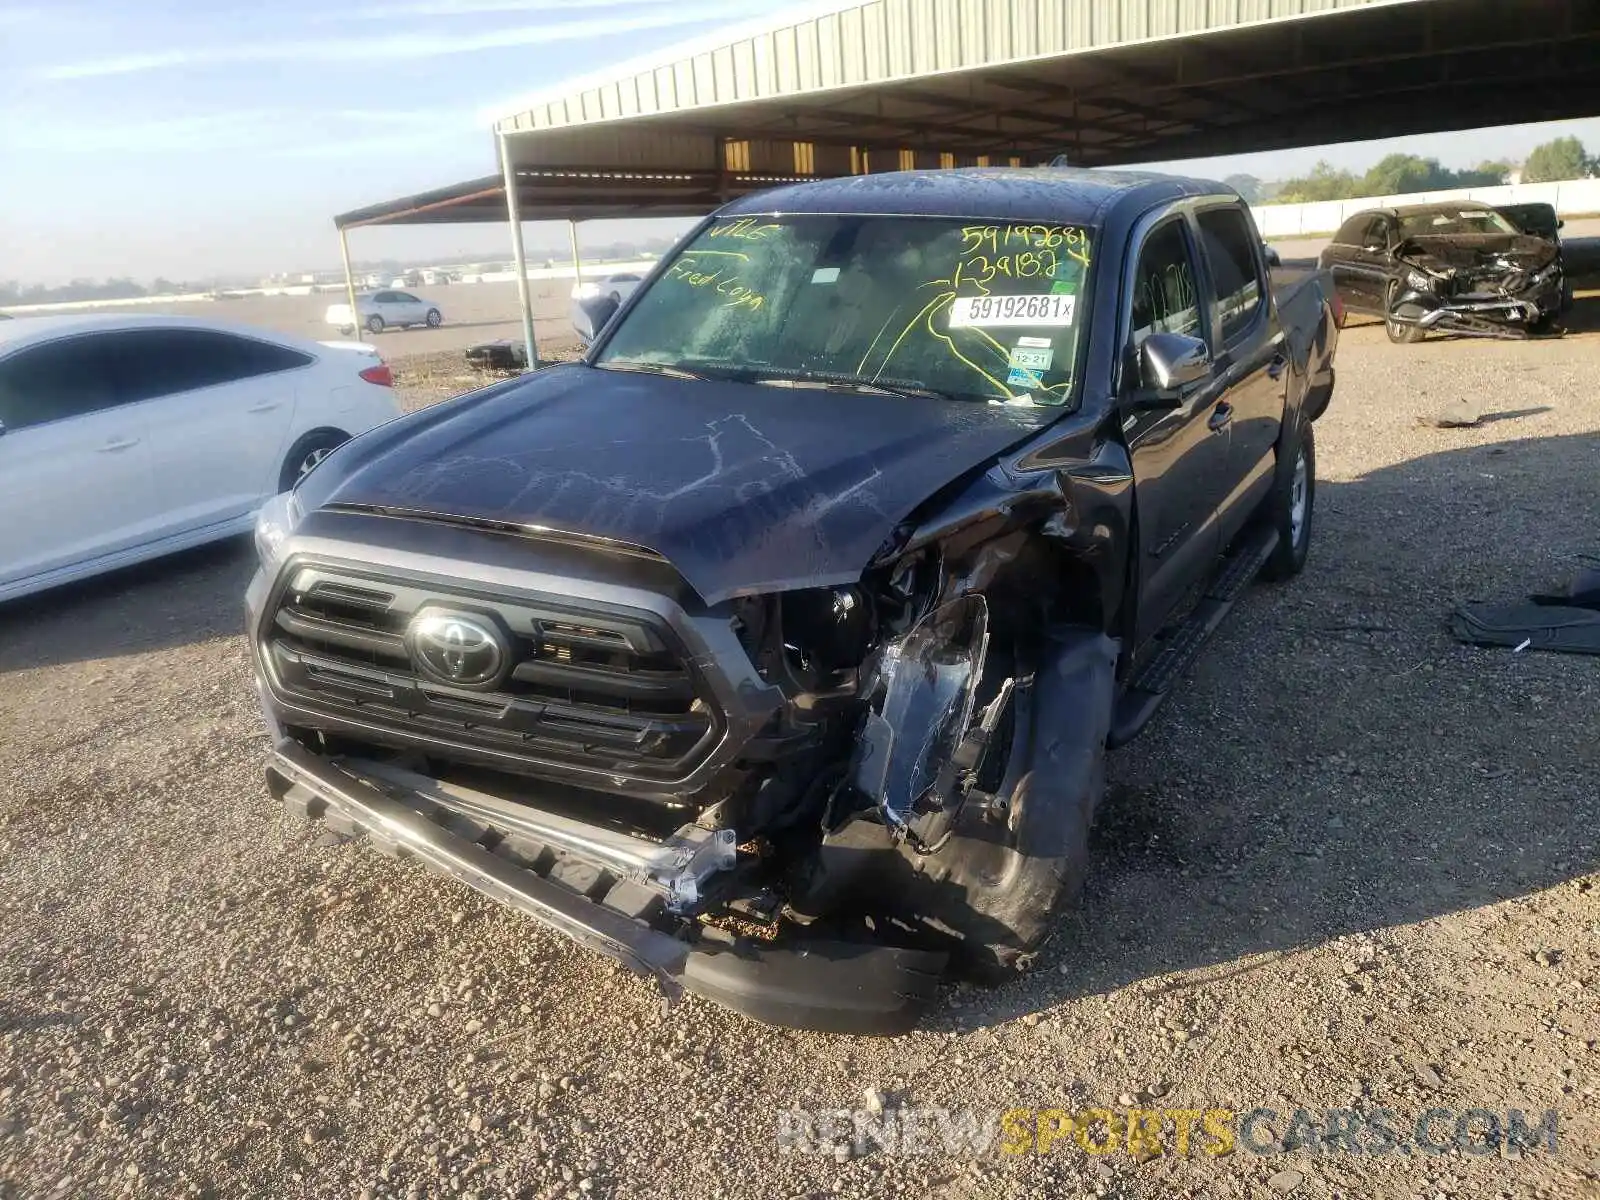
(743, 488)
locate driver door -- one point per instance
(1180, 454)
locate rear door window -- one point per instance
(56, 381)
(1230, 253)
(1165, 292)
(163, 362)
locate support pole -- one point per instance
(349, 282)
(514, 214)
(577, 260)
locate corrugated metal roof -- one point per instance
(886, 85)
(861, 45)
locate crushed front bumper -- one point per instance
(832, 986)
(1481, 316)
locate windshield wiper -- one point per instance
(851, 383)
(647, 368)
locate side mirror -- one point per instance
(1169, 363)
(589, 315)
(1561, 224)
(1274, 259)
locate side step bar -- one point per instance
(812, 983)
(1181, 643)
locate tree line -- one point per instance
(1400, 174)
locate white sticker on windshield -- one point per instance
(1035, 343)
(1031, 358)
(825, 275)
(982, 311)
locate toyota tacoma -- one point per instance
(774, 649)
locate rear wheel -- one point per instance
(307, 453)
(375, 324)
(1290, 505)
(1398, 331)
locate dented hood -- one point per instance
(743, 488)
(1479, 250)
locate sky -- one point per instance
(196, 138)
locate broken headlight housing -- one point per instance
(275, 521)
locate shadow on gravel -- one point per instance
(1336, 764)
(175, 601)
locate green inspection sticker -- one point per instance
(1063, 287)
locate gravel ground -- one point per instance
(1353, 864)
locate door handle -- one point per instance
(1276, 366)
(264, 406)
(116, 444)
(1220, 416)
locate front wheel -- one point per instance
(1290, 505)
(997, 887)
(1400, 333)
(374, 324)
(435, 318)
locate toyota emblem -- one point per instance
(457, 648)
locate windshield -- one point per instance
(966, 310)
(1447, 222)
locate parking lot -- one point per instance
(1353, 864)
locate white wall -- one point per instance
(1578, 197)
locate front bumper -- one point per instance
(1479, 316)
(817, 984)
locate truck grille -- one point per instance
(606, 690)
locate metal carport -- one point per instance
(892, 84)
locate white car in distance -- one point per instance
(123, 438)
(615, 288)
(385, 309)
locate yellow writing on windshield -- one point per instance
(997, 242)
(749, 229)
(723, 279)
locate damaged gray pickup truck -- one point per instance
(775, 648)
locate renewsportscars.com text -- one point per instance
(1145, 1133)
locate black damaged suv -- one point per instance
(774, 649)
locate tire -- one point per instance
(1291, 505)
(435, 318)
(347, 330)
(1399, 334)
(374, 324)
(994, 891)
(307, 453)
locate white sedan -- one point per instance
(123, 438)
(386, 309)
(615, 288)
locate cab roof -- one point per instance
(1057, 195)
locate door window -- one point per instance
(1230, 253)
(406, 298)
(66, 378)
(1353, 231)
(384, 298)
(1165, 296)
(162, 362)
(1376, 233)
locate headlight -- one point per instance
(274, 523)
(1419, 282)
(1547, 274)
